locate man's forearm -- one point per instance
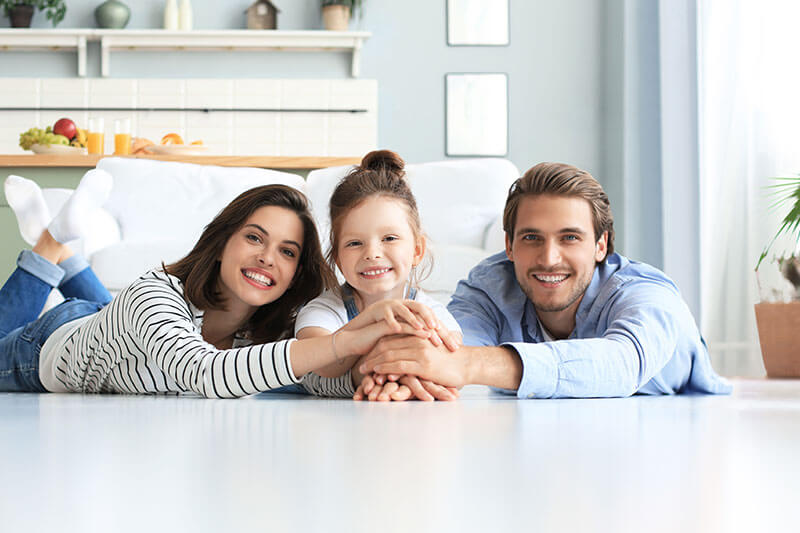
(495, 366)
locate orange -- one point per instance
(171, 138)
(197, 142)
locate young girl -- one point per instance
(215, 323)
(377, 243)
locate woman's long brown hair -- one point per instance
(199, 270)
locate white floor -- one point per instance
(484, 463)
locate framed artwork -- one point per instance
(477, 114)
(477, 22)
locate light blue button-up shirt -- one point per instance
(633, 333)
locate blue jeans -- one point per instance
(23, 297)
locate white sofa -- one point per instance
(157, 210)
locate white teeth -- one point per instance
(550, 279)
(264, 280)
(375, 272)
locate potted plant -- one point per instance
(20, 12)
(779, 322)
(336, 14)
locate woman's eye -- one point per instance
(253, 237)
(289, 253)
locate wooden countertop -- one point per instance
(42, 160)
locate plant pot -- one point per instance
(336, 17)
(779, 335)
(21, 16)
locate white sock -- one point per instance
(92, 192)
(27, 202)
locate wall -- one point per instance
(554, 63)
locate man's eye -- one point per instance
(570, 237)
(530, 237)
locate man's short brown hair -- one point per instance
(560, 179)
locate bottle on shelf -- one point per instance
(185, 15)
(171, 15)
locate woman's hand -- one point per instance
(347, 342)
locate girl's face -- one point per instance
(377, 248)
(259, 261)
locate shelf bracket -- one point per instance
(82, 56)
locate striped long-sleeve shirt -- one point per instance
(148, 340)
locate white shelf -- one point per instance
(164, 40)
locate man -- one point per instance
(559, 314)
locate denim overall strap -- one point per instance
(349, 302)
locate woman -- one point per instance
(215, 323)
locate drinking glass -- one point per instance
(95, 141)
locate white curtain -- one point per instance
(749, 115)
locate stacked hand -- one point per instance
(377, 387)
(402, 386)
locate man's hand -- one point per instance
(417, 357)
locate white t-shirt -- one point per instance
(328, 312)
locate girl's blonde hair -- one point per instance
(381, 173)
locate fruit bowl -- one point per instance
(59, 149)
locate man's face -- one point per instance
(554, 251)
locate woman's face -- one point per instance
(259, 260)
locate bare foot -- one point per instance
(51, 249)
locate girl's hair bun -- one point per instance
(385, 160)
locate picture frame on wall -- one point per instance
(478, 22)
(476, 122)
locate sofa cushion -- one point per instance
(117, 266)
(458, 200)
(158, 200)
(451, 263)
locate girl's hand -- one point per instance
(409, 311)
(443, 336)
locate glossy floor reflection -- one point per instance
(486, 462)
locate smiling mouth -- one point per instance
(257, 279)
(375, 272)
(550, 280)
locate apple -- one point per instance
(65, 127)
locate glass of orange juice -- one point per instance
(122, 136)
(95, 140)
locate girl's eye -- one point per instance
(390, 238)
(351, 244)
